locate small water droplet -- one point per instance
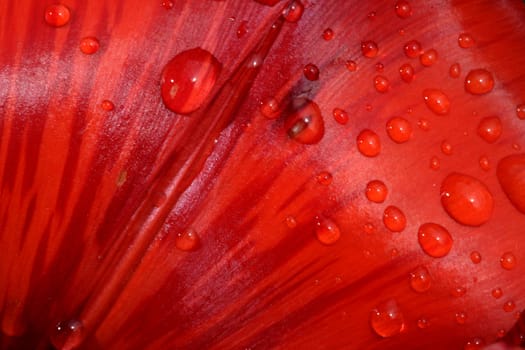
(340, 116)
(167, 4)
(413, 49)
(381, 83)
(304, 122)
(187, 80)
(242, 29)
(508, 261)
(454, 71)
(484, 163)
(446, 148)
(369, 48)
(89, 45)
(394, 219)
(187, 240)
(376, 191)
(497, 293)
(324, 178)
(368, 143)
(369, 228)
(489, 129)
(311, 72)
(520, 111)
(461, 317)
(465, 40)
(290, 221)
(428, 58)
(270, 108)
(399, 129)
(328, 34)
(351, 65)
(420, 279)
(509, 306)
(423, 323)
(423, 124)
(479, 82)
(474, 344)
(435, 163)
(436, 101)
(475, 257)
(107, 105)
(459, 291)
(327, 231)
(57, 15)
(466, 199)
(406, 71)
(67, 334)
(435, 240)
(371, 15)
(501, 333)
(294, 11)
(386, 319)
(403, 9)
(510, 173)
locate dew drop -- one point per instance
(327, 231)
(381, 83)
(67, 335)
(187, 240)
(474, 344)
(423, 323)
(167, 4)
(107, 105)
(376, 191)
(270, 108)
(511, 177)
(413, 49)
(434, 163)
(242, 30)
(399, 129)
(497, 293)
(446, 147)
(508, 261)
(436, 101)
(428, 58)
(324, 178)
(394, 219)
(304, 122)
(484, 163)
(475, 257)
(489, 129)
(311, 72)
(328, 34)
(89, 45)
(403, 9)
(466, 199)
(435, 240)
(351, 65)
(290, 221)
(461, 317)
(368, 143)
(509, 306)
(386, 319)
(479, 82)
(369, 48)
(340, 116)
(454, 71)
(465, 40)
(187, 80)
(294, 11)
(520, 111)
(420, 279)
(406, 71)
(57, 15)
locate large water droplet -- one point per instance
(311, 72)
(509, 306)
(381, 83)
(376, 191)
(187, 240)
(270, 108)
(403, 9)
(57, 15)
(435, 240)
(489, 129)
(394, 219)
(340, 116)
(420, 279)
(89, 45)
(508, 261)
(455, 70)
(67, 335)
(369, 49)
(479, 81)
(428, 58)
(386, 319)
(327, 231)
(294, 11)
(406, 72)
(511, 177)
(497, 293)
(413, 49)
(328, 34)
(475, 257)
(368, 143)
(436, 101)
(187, 80)
(466, 199)
(324, 178)
(304, 122)
(465, 40)
(399, 129)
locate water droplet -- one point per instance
(294, 11)
(368, 143)
(394, 219)
(290, 221)
(435, 240)
(324, 178)
(187, 240)
(434, 163)
(107, 105)
(461, 317)
(268, 2)
(459, 291)
(399, 129)
(511, 177)
(466, 199)
(394, 253)
(403, 9)
(376, 191)
(455, 70)
(520, 111)
(328, 34)
(57, 15)
(413, 49)
(508, 261)
(497, 293)
(489, 129)
(406, 71)
(326, 230)
(369, 48)
(270, 108)
(311, 72)
(446, 147)
(479, 82)
(242, 29)
(428, 58)
(465, 40)
(340, 116)
(386, 319)
(351, 65)
(167, 4)
(67, 335)
(369, 228)
(474, 344)
(381, 83)
(501, 333)
(423, 124)
(420, 279)
(187, 80)
(371, 15)
(89, 45)
(475, 256)
(484, 163)
(304, 122)
(509, 306)
(436, 101)
(423, 323)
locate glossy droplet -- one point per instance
(328, 34)
(294, 11)
(436, 101)
(270, 108)
(446, 147)
(413, 49)
(465, 40)
(509, 306)
(479, 82)
(399, 129)
(497, 293)
(242, 29)
(511, 177)
(311, 72)
(475, 257)
(368, 143)
(423, 323)
(394, 219)
(461, 317)
(351, 65)
(381, 83)
(107, 105)
(428, 58)
(57, 15)
(187, 240)
(520, 111)
(67, 335)
(406, 71)
(369, 48)
(340, 116)
(187, 80)
(466, 199)
(371, 15)
(167, 4)
(489, 129)
(475, 344)
(420, 279)
(423, 124)
(89, 45)
(376, 191)
(290, 221)
(369, 228)
(434, 163)
(304, 122)
(508, 261)
(454, 71)
(435, 240)
(327, 231)
(484, 163)
(403, 9)
(324, 178)
(386, 319)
